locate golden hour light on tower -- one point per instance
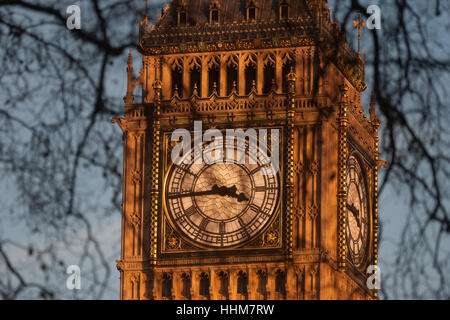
(249, 151)
(211, 220)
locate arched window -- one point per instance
(232, 74)
(250, 77)
(214, 76)
(262, 282)
(167, 286)
(182, 14)
(223, 276)
(196, 79)
(269, 76)
(288, 66)
(177, 81)
(251, 11)
(214, 16)
(250, 73)
(186, 281)
(204, 285)
(214, 12)
(242, 282)
(280, 282)
(284, 10)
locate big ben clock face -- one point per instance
(357, 228)
(222, 204)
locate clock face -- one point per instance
(222, 204)
(357, 228)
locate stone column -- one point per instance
(177, 286)
(291, 285)
(279, 72)
(157, 286)
(146, 281)
(166, 80)
(300, 273)
(241, 75)
(271, 284)
(205, 78)
(252, 288)
(223, 76)
(186, 79)
(260, 74)
(149, 78)
(135, 285)
(309, 188)
(305, 71)
(195, 284)
(310, 70)
(214, 284)
(232, 281)
(299, 71)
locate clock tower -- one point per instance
(250, 166)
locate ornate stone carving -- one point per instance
(314, 167)
(135, 219)
(136, 177)
(313, 212)
(222, 55)
(299, 212)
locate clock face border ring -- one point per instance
(168, 217)
(365, 259)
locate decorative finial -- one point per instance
(274, 85)
(253, 86)
(176, 92)
(364, 66)
(373, 112)
(359, 24)
(146, 17)
(234, 88)
(130, 58)
(292, 77)
(129, 96)
(344, 89)
(157, 85)
(130, 66)
(195, 91)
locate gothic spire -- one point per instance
(373, 112)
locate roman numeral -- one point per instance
(260, 189)
(222, 228)
(185, 170)
(203, 224)
(190, 211)
(255, 208)
(244, 231)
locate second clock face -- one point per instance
(357, 213)
(222, 205)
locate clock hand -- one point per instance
(232, 192)
(215, 190)
(355, 213)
